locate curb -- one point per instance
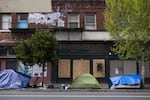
(82, 90)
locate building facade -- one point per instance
(14, 27)
(83, 43)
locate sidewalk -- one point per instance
(84, 90)
(57, 88)
(104, 88)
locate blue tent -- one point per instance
(125, 80)
(10, 79)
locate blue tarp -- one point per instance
(10, 79)
(125, 80)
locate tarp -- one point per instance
(125, 80)
(10, 79)
(85, 80)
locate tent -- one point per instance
(10, 79)
(126, 81)
(85, 81)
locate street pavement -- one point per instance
(73, 95)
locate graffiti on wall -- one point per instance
(53, 19)
(99, 68)
(34, 71)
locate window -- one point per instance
(6, 21)
(73, 20)
(6, 51)
(22, 21)
(10, 51)
(3, 51)
(90, 21)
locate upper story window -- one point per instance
(73, 20)
(7, 51)
(22, 21)
(6, 21)
(90, 21)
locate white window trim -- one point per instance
(2, 31)
(9, 24)
(78, 21)
(87, 24)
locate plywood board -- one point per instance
(99, 68)
(80, 66)
(64, 68)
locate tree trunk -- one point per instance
(143, 71)
(43, 69)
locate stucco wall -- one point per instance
(25, 6)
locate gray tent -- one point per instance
(85, 81)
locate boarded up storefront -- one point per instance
(80, 67)
(64, 68)
(99, 68)
(78, 57)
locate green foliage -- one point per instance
(128, 22)
(40, 48)
(23, 51)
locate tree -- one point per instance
(40, 48)
(128, 22)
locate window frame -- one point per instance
(7, 51)
(70, 17)
(90, 25)
(5, 25)
(23, 15)
(22, 22)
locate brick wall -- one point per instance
(82, 7)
